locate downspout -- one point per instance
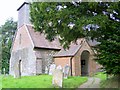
(71, 64)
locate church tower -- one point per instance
(23, 14)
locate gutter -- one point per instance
(71, 64)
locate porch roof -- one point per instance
(68, 52)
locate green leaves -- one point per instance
(8, 30)
(72, 21)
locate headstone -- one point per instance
(46, 70)
(16, 71)
(66, 71)
(4, 71)
(0, 71)
(59, 67)
(57, 78)
(52, 68)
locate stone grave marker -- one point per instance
(59, 67)
(52, 68)
(46, 70)
(4, 71)
(57, 78)
(66, 71)
(16, 71)
(0, 72)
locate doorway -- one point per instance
(84, 63)
(20, 67)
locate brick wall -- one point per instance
(76, 60)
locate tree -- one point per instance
(8, 30)
(94, 20)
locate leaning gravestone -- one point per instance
(52, 68)
(66, 71)
(57, 78)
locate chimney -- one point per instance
(23, 14)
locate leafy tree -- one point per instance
(8, 30)
(0, 49)
(95, 20)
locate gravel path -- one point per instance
(91, 83)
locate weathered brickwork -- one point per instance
(91, 66)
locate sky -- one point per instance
(8, 9)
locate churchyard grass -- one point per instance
(41, 81)
(74, 82)
(111, 82)
(101, 75)
(1, 81)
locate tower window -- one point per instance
(20, 39)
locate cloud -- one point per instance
(8, 8)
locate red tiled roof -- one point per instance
(40, 41)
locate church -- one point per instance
(32, 53)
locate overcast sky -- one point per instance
(8, 8)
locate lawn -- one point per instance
(0, 82)
(101, 75)
(111, 82)
(41, 81)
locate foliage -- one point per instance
(108, 81)
(95, 20)
(113, 82)
(101, 75)
(8, 30)
(41, 81)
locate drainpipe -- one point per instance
(71, 64)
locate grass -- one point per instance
(41, 81)
(74, 82)
(111, 82)
(101, 75)
(0, 82)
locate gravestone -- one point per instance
(16, 71)
(0, 72)
(46, 70)
(66, 71)
(52, 68)
(57, 78)
(59, 67)
(4, 71)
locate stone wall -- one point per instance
(46, 57)
(28, 62)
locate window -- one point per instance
(20, 39)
